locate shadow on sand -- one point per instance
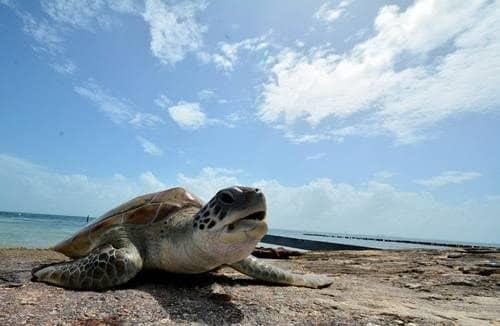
(183, 298)
(193, 298)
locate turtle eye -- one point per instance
(226, 198)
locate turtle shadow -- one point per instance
(192, 298)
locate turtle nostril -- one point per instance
(226, 198)
(257, 190)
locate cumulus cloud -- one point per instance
(448, 177)
(118, 110)
(376, 208)
(174, 29)
(33, 188)
(151, 182)
(149, 147)
(209, 181)
(329, 13)
(392, 83)
(188, 115)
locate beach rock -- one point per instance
(414, 287)
(275, 253)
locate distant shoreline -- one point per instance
(307, 244)
(34, 230)
(436, 243)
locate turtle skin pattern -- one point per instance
(103, 268)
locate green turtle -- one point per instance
(173, 231)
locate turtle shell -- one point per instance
(143, 210)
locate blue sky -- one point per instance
(353, 116)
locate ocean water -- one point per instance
(36, 230)
(42, 231)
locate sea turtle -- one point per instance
(173, 231)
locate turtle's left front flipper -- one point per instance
(103, 268)
(253, 267)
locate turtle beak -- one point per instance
(249, 211)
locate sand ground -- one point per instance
(418, 287)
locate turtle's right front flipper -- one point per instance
(103, 268)
(260, 270)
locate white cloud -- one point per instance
(90, 14)
(313, 137)
(174, 29)
(228, 54)
(163, 101)
(318, 205)
(150, 181)
(209, 181)
(448, 177)
(316, 156)
(127, 6)
(299, 44)
(7, 3)
(330, 13)
(392, 83)
(81, 14)
(140, 119)
(118, 110)
(64, 68)
(47, 38)
(149, 147)
(188, 115)
(237, 116)
(33, 188)
(373, 208)
(206, 94)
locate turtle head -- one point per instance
(231, 224)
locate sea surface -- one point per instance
(41, 231)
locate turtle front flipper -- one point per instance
(255, 268)
(103, 268)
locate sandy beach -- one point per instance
(416, 287)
